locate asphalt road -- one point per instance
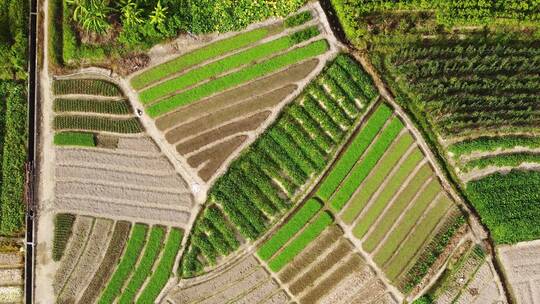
(32, 119)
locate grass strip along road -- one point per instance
(297, 221)
(197, 56)
(255, 71)
(214, 69)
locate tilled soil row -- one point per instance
(139, 144)
(11, 258)
(387, 298)
(345, 290)
(214, 103)
(215, 119)
(93, 159)
(245, 284)
(122, 211)
(81, 230)
(214, 156)
(207, 288)
(169, 183)
(138, 197)
(11, 276)
(261, 292)
(481, 279)
(88, 262)
(244, 125)
(278, 298)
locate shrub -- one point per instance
(63, 225)
(298, 19)
(74, 139)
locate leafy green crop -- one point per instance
(74, 139)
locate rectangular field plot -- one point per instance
(328, 270)
(385, 192)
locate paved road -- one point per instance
(32, 103)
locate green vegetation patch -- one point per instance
(488, 143)
(299, 243)
(127, 264)
(63, 225)
(289, 229)
(87, 87)
(197, 56)
(163, 270)
(508, 205)
(502, 160)
(95, 123)
(233, 79)
(118, 107)
(82, 139)
(298, 19)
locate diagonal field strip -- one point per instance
(274, 64)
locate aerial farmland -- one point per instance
(285, 151)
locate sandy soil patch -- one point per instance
(387, 298)
(101, 159)
(88, 262)
(370, 292)
(223, 116)
(245, 284)
(122, 211)
(139, 144)
(279, 298)
(230, 129)
(215, 156)
(81, 230)
(12, 294)
(10, 258)
(169, 183)
(521, 263)
(344, 291)
(136, 196)
(13, 276)
(261, 292)
(214, 103)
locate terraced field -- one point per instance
(263, 182)
(244, 281)
(211, 102)
(388, 197)
(101, 260)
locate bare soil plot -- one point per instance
(521, 263)
(244, 282)
(11, 276)
(11, 273)
(133, 182)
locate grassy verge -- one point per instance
(287, 231)
(237, 78)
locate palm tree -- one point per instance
(158, 14)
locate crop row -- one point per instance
(95, 123)
(362, 168)
(92, 105)
(249, 73)
(487, 143)
(96, 87)
(507, 205)
(217, 68)
(197, 56)
(82, 139)
(256, 189)
(301, 241)
(502, 160)
(298, 19)
(63, 224)
(289, 229)
(351, 155)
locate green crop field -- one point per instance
(74, 139)
(96, 87)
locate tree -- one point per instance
(91, 14)
(131, 13)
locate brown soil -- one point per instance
(222, 116)
(370, 292)
(241, 286)
(207, 138)
(81, 230)
(387, 298)
(10, 258)
(319, 269)
(347, 288)
(209, 105)
(521, 263)
(215, 156)
(11, 276)
(106, 141)
(328, 283)
(279, 298)
(88, 262)
(224, 279)
(107, 266)
(139, 144)
(308, 256)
